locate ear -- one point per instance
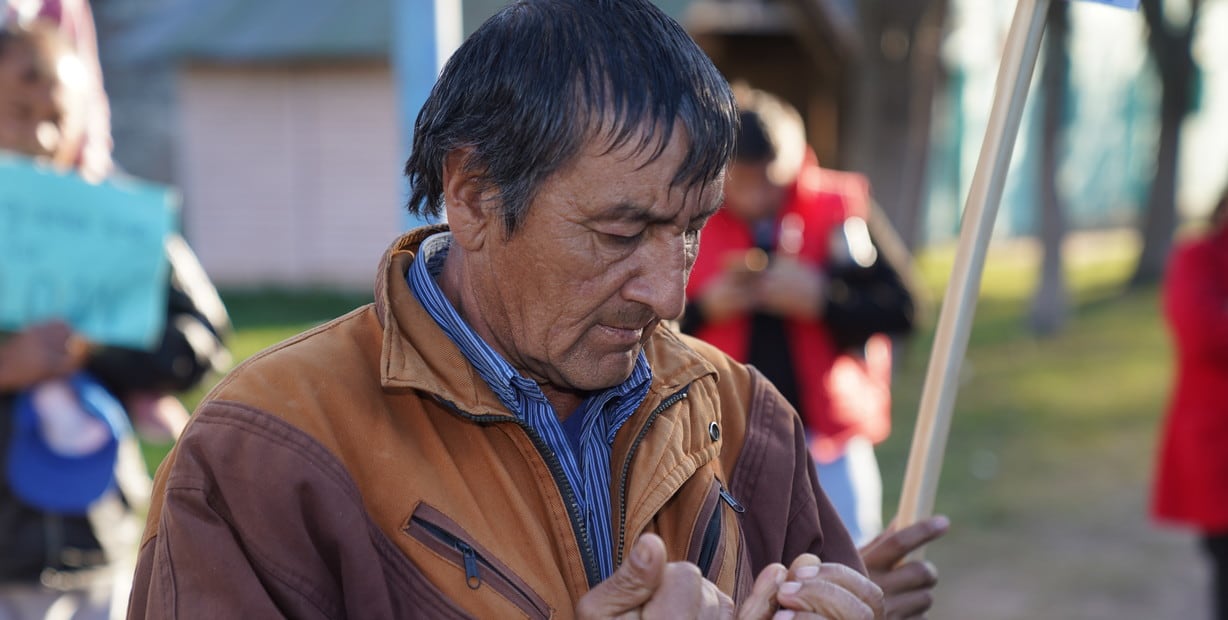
(465, 197)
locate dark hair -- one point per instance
(541, 77)
(768, 126)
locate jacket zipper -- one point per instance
(473, 578)
(729, 499)
(712, 535)
(712, 538)
(622, 480)
(473, 562)
(589, 557)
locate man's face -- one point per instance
(752, 191)
(601, 257)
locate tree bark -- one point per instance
(895, 80)
(1171, 49)
(1050, 303)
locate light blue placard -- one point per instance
(1125, 4)
(92, 255)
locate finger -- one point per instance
(761, 602)
(909, 576)
(682, 594)
(890, 548)
(908, 606)
(720, 604)
(631, 586)
(854, 582)
(803, 560)
(77, 348)
(826, 598)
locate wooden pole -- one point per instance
(955, 319)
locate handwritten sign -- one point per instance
(92, 255)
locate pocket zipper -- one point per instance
(712, 533)
(474, 563)
(733, 503)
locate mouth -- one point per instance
(623, 335)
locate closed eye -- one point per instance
(624, 240)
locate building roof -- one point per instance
(261, 30)
(295, 30)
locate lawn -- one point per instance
(1050, 450)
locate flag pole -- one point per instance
(955, 319)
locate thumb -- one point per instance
(761, 603)
(632, 585)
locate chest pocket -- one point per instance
(716, 530)
(475, 566)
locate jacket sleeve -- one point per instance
(787, 512)
(1196, 304)
(863, 301)
(253, 518)
(192, 344)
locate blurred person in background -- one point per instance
(1191, 485)
(91, 156)
(789, 280)
(73, 477)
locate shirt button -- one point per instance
(714, 431)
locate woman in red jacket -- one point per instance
(1192, 481)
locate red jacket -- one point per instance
(1191, 485)
(842, 396)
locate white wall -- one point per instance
(290, 173)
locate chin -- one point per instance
(607, 371)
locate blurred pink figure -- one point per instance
(76, 22)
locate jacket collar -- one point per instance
(417, 355)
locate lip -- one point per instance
(624, 336)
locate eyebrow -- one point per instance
(628, 212)
(625, 211)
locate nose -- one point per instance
(660, 276)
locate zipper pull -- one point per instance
(472, 578)
(733, 503)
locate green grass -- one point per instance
(1039, 422)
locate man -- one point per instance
(509, 430)
(813, 318)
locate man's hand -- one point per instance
(828, 591)
(40, 352)
(646, 586)
(908, 587)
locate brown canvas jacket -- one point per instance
(364, 470)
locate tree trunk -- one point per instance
(1171, 49)
(895, 80)
(1050, 304)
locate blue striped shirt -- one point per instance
(581, 443)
